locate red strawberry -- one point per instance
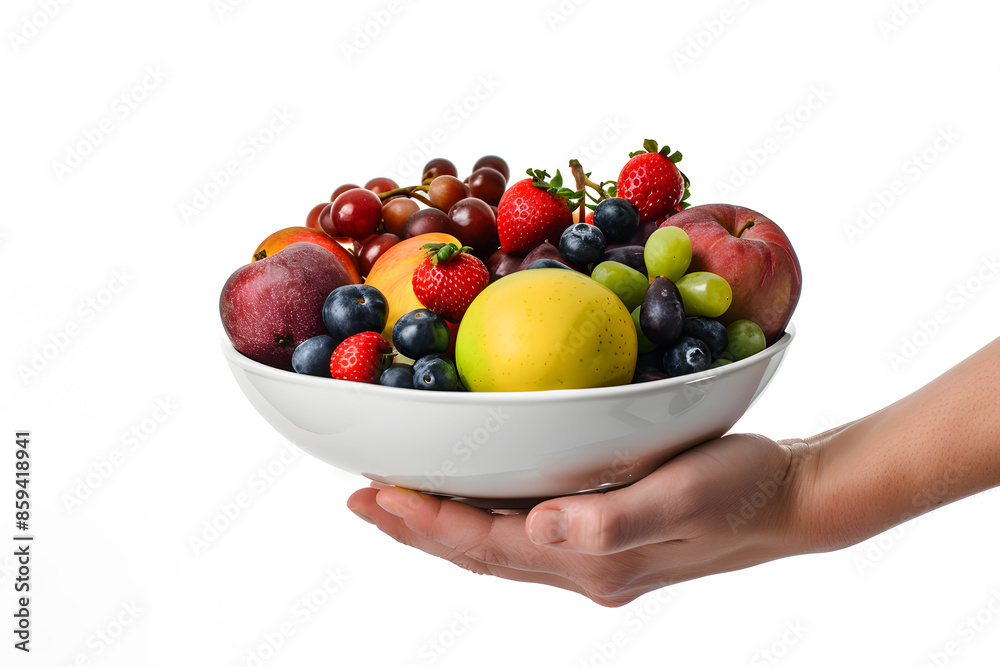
(449, 279)
(361, 358)
(652, 181)
(532, 211)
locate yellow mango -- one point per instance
(545, 329)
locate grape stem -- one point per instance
(411, 191)
(583, 180)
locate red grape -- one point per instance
(325, 223)
(312, 220)
(396, 212)
(380, 185)
(373, 249)
(425, 221)
(356, 213)
(494, 162)
(475, 225)
(488, 184)
(342, 189)
(439, 166)
(445, 191)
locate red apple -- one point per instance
(270, 306)
(753, 255)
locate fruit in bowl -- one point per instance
(575, 356)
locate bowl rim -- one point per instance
(247, 364)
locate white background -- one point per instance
(834, 100)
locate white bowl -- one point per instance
(504, 449)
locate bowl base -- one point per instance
(519, 505)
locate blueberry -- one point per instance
(629, 255)
(436, 372)
(617, 218)
(709, 331)
(547, 263)
(419, 333)
(312, 356)
(649, 362)
(353, 309)
(582, 244)
(397, 375)
(686, 355)
(649, 377)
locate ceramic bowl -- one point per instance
(504, 449)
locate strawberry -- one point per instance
(532, 211)
(449, 279)
(361, 358)
(652, 181)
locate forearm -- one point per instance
(937, 445)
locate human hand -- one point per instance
(724, 505)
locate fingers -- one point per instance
(364, 504)
(485, 537)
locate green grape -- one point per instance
(721, 361)
(667, 253)
(745, 339)
(704, 294)
(626, 282)
(645, 345)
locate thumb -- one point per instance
(599, 523)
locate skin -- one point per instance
(729, 503)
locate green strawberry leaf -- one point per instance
(650, 146)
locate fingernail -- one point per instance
(380, 485)
(361, 514)
(397, 501)
(548, 527)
